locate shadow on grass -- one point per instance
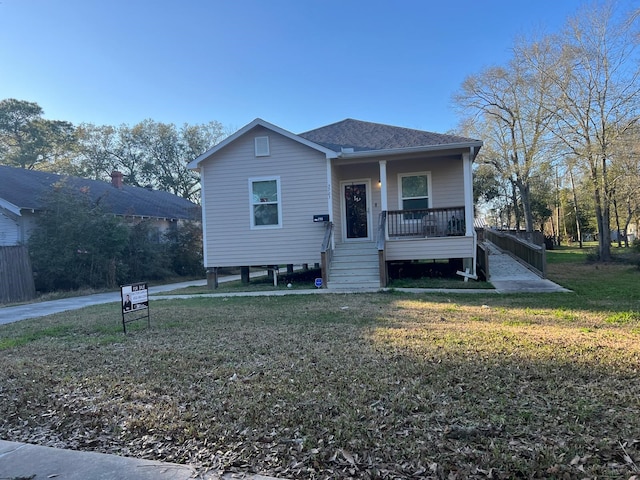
(341, 386)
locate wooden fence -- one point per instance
(16, 276)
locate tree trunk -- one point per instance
(617, 219)
(627, 221)
(516, 210)
(602, 219)
(525, 198)
(575, 208)
(606, 214)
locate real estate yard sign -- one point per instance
(135, 303)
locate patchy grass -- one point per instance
(385, 385)
(612, 284)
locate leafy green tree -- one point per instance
(486, 186)
(148, 154)
(29, 141)
(75, 244)
(95, 158)
(145, 256)
(184, 246)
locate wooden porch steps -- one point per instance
(354, 266)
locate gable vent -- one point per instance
(262, 146)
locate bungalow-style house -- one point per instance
(352, 196)
(22, 192)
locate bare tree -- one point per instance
(596, 96)
(509, 102)
(625, 181)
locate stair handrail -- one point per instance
(326, 253)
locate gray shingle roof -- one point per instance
(367, 136)
(26, 188)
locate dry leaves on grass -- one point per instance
(392, 387)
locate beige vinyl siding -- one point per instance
(430, 248)
(302, 173)
(447, 181)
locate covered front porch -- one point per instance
(413, 207)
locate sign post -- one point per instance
(135, 303)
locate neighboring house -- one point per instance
(22, 192)
(351, 196)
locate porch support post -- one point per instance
(212, 278)
(244, 274)
(383, 185)
(384, 206)
(330, 197)
(467, 159)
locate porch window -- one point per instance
(265, 202)
(414, 194)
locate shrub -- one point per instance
(75, 244)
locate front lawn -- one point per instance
(384, 385)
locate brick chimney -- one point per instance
(116, 179)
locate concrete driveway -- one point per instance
(40, 309)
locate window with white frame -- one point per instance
(413, 189)
(264, 194)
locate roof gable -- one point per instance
(26, 188)
(269, 126)
(367, 136)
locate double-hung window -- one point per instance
(414, 191)
(264, 195)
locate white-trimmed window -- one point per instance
(264, 198)
(262, 146)
(414, 191)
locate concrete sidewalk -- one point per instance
(24, 461)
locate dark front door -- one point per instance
(356, 210)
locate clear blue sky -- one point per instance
(300, 64)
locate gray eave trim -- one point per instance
(408, 150)
(10, 207)
(193, 165)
